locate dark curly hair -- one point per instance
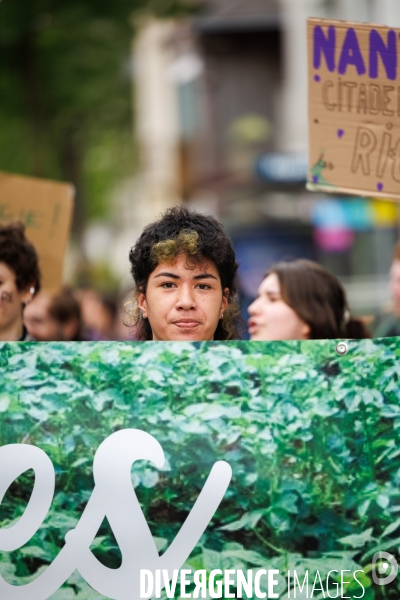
(201, 238)
(20, 256)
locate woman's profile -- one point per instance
(300, 300)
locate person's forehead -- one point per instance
(395, 269)
(40, 304)
(184, 265)
(270, 284)
(6, 271)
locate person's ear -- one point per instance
(142, 304)
(305, 331)
(28, 294)
(225, 301)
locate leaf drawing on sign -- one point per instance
(317, 170)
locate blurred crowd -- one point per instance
(184, 287)
(75, 315)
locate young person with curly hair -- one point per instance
(19, 280)
(184, 268)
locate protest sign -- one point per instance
(354, 108)
(250, 466)
(45, 207)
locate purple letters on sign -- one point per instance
(351, 54)
(325, 45)
(387, 53)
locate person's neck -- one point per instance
(13, 332)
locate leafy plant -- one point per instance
(312, 438)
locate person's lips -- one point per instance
(186, 323)
(252, 325)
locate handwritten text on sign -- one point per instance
(354, 107)
(113, 497)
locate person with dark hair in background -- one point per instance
(19, 280)
(300, 300)
(54, 317)
(99, 314)
(184, 268)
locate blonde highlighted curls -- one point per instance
(187, 242)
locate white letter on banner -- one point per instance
(184, 583)
(244, 584)
(200, 579)
(215, 587)
(257, 578)
(170, 588)
(113, 497)
(146, 577)
(228, 582)
(272, 583)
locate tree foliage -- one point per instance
(65, 91)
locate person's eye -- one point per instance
(203, 286)
(167, 285)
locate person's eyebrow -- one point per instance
(205, 276)
(171, 275)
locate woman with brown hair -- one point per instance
(299, 300)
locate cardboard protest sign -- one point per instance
(45, 207)
(255, 469)
(354, 108)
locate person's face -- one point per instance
(183, 303)
(40, 325)
(11, 299)
(395, 284)
(271, 318)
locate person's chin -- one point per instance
(182, 332)
(259, 336)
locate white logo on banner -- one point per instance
(113, 497)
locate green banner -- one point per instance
(313, 506)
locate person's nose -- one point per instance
(186, 299)
(252, 310)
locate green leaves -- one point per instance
(4, 402)
(357, 540)
(248, 521)
(391, 528)
(313, 442)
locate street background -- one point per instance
(146, 104)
